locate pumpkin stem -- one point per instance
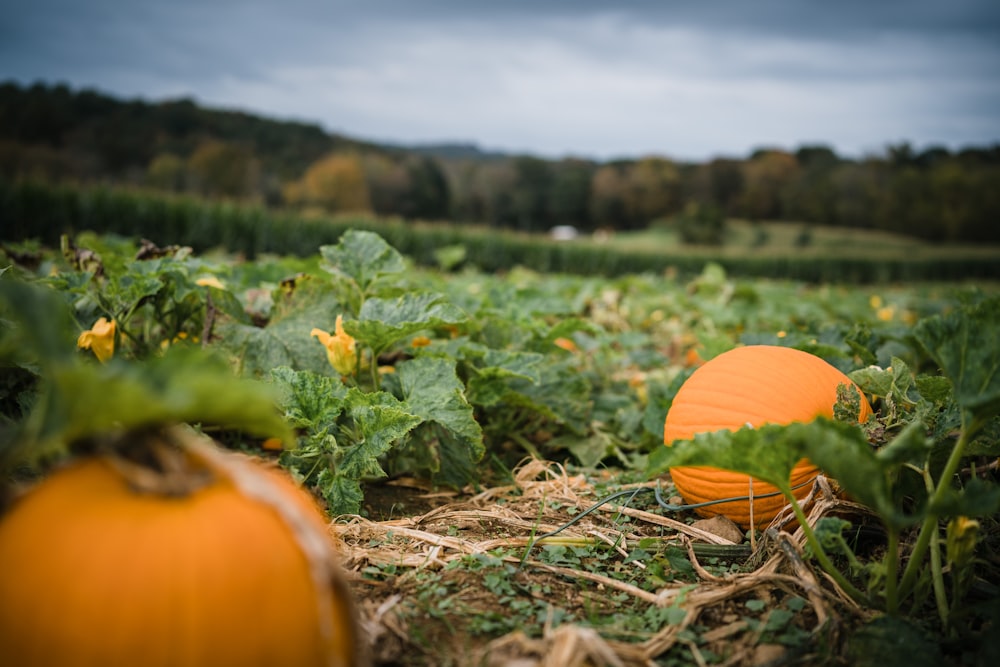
(154, 462)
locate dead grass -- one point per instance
(428, 584)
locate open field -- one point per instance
(446, 421)
(777, 239)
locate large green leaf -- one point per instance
(185, 385)
(432, 390)
(770, 452)
(911, 446)
(493, 369)
(562, 392)
(378, 421)
(965, 345)
(383, 322)
(975, 498)
(361, 256)
(311, 401)
(286, 339)
(894, 381)
(343, 495)
(36, 325)
(841, 450)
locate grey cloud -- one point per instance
(578, 76)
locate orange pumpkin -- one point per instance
(219, 561)
(751, 385)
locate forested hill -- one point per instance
(54, 133)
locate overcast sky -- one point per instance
(689, 80)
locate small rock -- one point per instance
(767, 654)
(722, 526)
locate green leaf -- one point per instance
(911, 445)
(891, 641)
(286, 340)
(875, 381)
(343, 495)
(768, 453)
(976, 498)
(432, 390)
(383, 322)
(310, 401)
(964, 344)
(589, 450)
(860, 341)
(894, 382)
(934, 388)
(141, 280)
(771, 451)
(361, 256)
(562, 393)
(185, 385)
(842, 452)
(378, 421)
(36, 325)
(489, 383)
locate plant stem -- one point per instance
(820, 554)
(892, 571)
(937, 577)
(376, 383)
(930, 524)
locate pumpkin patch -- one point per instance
(750, 386)
(206, 558)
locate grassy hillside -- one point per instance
(777, 239)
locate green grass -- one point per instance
(772, 239)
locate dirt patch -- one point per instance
(450, 580)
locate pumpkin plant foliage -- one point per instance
(78, 399)
(346, 435)
(908, 477)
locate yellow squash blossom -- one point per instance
(210, 281)
(339, 347)
(961, 540)
(420, 341)
(100, 339)
(566, 344)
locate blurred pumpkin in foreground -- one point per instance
(751, 385)
(171, 552)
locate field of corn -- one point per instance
(488, 445)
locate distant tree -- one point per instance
(855, 193)
(388, 183)
(532, 185)
(335, 183)
(809, 195)
(701, 224)
(765, 178)
(481, 191)
(817, 158)
(608, 196)
(653, 190)
(217, 168)
(38, 162)
(932, 156)
(428, 196)
(570, 193)
(167, 172)
(718, 182)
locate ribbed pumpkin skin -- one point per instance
(94, 573)
(756, 385)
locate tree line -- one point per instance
(55, 134)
